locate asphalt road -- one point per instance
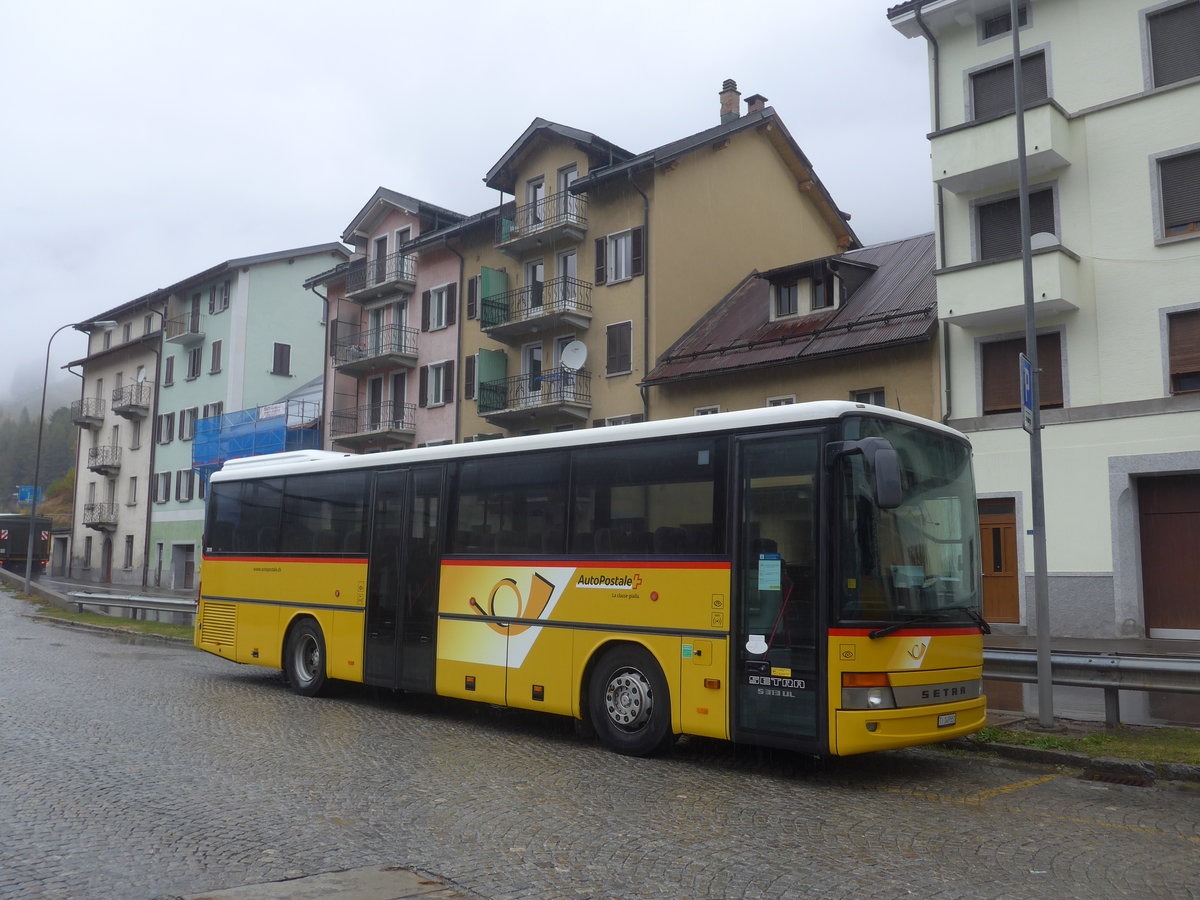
(148, 770)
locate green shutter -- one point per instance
(493, 285)
(492, 368)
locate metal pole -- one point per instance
(1041, 586)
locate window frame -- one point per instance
(982, 202)
(1018, 340)
(162, 487)
(609, 357)
(1024, 19)
(284, 356)
(195, 362)
(1157, 200)
(1172, 354)
(777, 296)
(1144, 18)
(971, 115)
(780, 400)
(873, 394)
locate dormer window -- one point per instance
(785, 300)
(824, 291)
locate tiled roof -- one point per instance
(895, 305)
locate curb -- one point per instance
(1096, 768)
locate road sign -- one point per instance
(25, 493)
(1026, 394)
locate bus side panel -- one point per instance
(704, 687)
(666, 650)
(543, 681)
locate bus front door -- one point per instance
(402, 579)
(777, 660)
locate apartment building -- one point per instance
(1111, 92)
(113, 463)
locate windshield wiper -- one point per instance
(932, 616)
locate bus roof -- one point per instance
(309, 461)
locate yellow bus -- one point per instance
(804, 576)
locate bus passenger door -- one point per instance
(777, 657)
(402, 579)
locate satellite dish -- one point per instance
(574, 355)
(1042, 240)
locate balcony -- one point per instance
(990, 294)
(977, 157)
(105, 460)
(559, 217)
(556, 395)
(88, 413)
(374, 425)
(368, 279)
(100, 516)
(375, 350)
(133, 401)
(184, 330)
(558, 303)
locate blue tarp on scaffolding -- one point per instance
(289, 425)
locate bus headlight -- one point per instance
(867, 690)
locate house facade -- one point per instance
(114, 455)
(1113, 154)
(238, 338)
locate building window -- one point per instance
(128, 562)
(131, 495)
(1173, 35)
(184, 484)
(213, 409)
(106, 341)
(87, 552)
(999, 22)
(194, 362)
(127, 332)
(824, 291)
(165, 428)
(620, 256)
(216, 358)
(992, 89)
(706, 410)
(874, 397)
(1000, 373)
(786, 303)
(786, 400)
(437, 307)
(436, 384)
(1178, 198)
(135, 434)
(619, 343)
(147, 324)
(998, 223)
(187, 423)
(162, 487)
(281, 361)
(218, 297)
(1184, 351)
(169, 371)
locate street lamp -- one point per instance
(107, 325)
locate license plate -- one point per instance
(945, 720)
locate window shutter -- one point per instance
(1000, 367)
(425, 295)
(1184, 342)
(1180, 178)
(423, 382)
(448, 387)
(170, 428)
(992, 89)
(1000, 223)
(472, 296)
(451, 303)
(469, 378)
(601, 265)
(619, 349)
(638, 251)
(1175, 43)
(332, 331)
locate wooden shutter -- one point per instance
(619, 348)
(423, 385)
(1175, 43)
(451, 303)
(638, 251)
(448, 387)
(472, 297)
(1184, 343)
(1180, 180)
(469, 377)
(601, 265)
(992, 89)
(1000, 223)
(425, 295)
(1001, 371)
(332, 331)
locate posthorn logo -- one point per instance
(610, 582)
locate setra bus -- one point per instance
(805, 576)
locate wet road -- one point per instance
(146, 770)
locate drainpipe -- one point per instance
(941, 195)
(458, 326)
(645, 390)
(150, 487)
(326, 383)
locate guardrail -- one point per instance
(1111, 674)
(136, 605)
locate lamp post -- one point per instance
(107, 325)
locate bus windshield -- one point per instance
(920, 560)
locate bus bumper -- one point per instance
(863, 731)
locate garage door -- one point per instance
(1169, 508)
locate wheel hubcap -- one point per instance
(629, 699)
(307, 658)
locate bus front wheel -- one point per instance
(629, 702)
(304, 659)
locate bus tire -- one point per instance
(304, 658)
(629, 702)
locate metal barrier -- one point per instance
(1111, 674)
(135, 604)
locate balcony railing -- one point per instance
(88, 412)
(530, 307)
(105, 460)
(522, 395)
(101, 516)
(184, 329)
(559, 215)
(380, 275)
(374, 349)
(373, 422)
(133, 400)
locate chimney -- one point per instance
(729, 101)
(755, 103)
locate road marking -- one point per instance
(1015, 786)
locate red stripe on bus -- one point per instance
(914, 631)
(588, 563)
(287, 559)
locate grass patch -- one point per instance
(133, 626)
(1146, 743)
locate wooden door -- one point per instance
(998, 546)
(1169, 512)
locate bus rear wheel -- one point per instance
(304, 659)
(629, 702)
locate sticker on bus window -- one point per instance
(770, 572)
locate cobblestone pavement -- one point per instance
(149, 770)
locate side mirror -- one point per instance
(883, 467)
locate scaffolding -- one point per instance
(274, 428)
